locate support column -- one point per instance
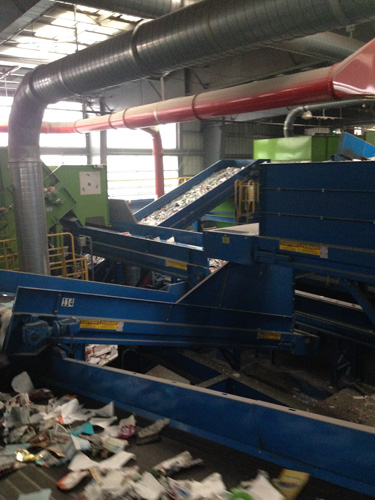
(103, 135)
(212, 142)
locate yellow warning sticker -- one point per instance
(269, 336)
(176, 264)
(98, 324)
(295, 246)
(225, 239)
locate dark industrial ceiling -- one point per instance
(47, 31)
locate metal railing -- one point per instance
(62, 257)
(181, 180)
(246, 195)
(8, 256)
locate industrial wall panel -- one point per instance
(191, 165)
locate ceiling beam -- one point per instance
(7, 73)
(17, 16)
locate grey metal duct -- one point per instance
(296, 112)
(199, 33)
(139, 8)
(327, 46)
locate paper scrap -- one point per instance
(118, 482)
(261, 488)
(71, 412)
(83, 462)
(81, 443)
(103, 422)
(106, 411)
(148, 487)
(211, 487)
(116, 461)
(113, 430)
(113, 444)
(22, 383)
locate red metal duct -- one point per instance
(353, 77)
(157, 151)
(157, 146)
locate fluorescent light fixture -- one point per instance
(119, 25)
(31, 54)
(45, 44)
(77, 17)
(56, 32)
(130, 19)
(59, 21)
(83, 8)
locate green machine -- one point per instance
(315, 148)
(78, 191)
(299, 148)
(370, 137)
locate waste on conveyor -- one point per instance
(38, 428)
(190, 196)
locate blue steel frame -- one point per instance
(184, 260)
(209, 315)
(342, 262)
(333, 318)
(333, 450)
(326, 203)
(317, 204)
(351, 147)
(188, 238)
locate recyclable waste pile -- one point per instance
(190, 196)
(53, 431)
(100, 354)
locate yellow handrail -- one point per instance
(246, 195)
(8, 257)
(181, 180)
(62, 257)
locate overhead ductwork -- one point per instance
(295, 113)
(139, 8)
(199, 33)
(324, 46)
(157, 152)
(334, 82)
